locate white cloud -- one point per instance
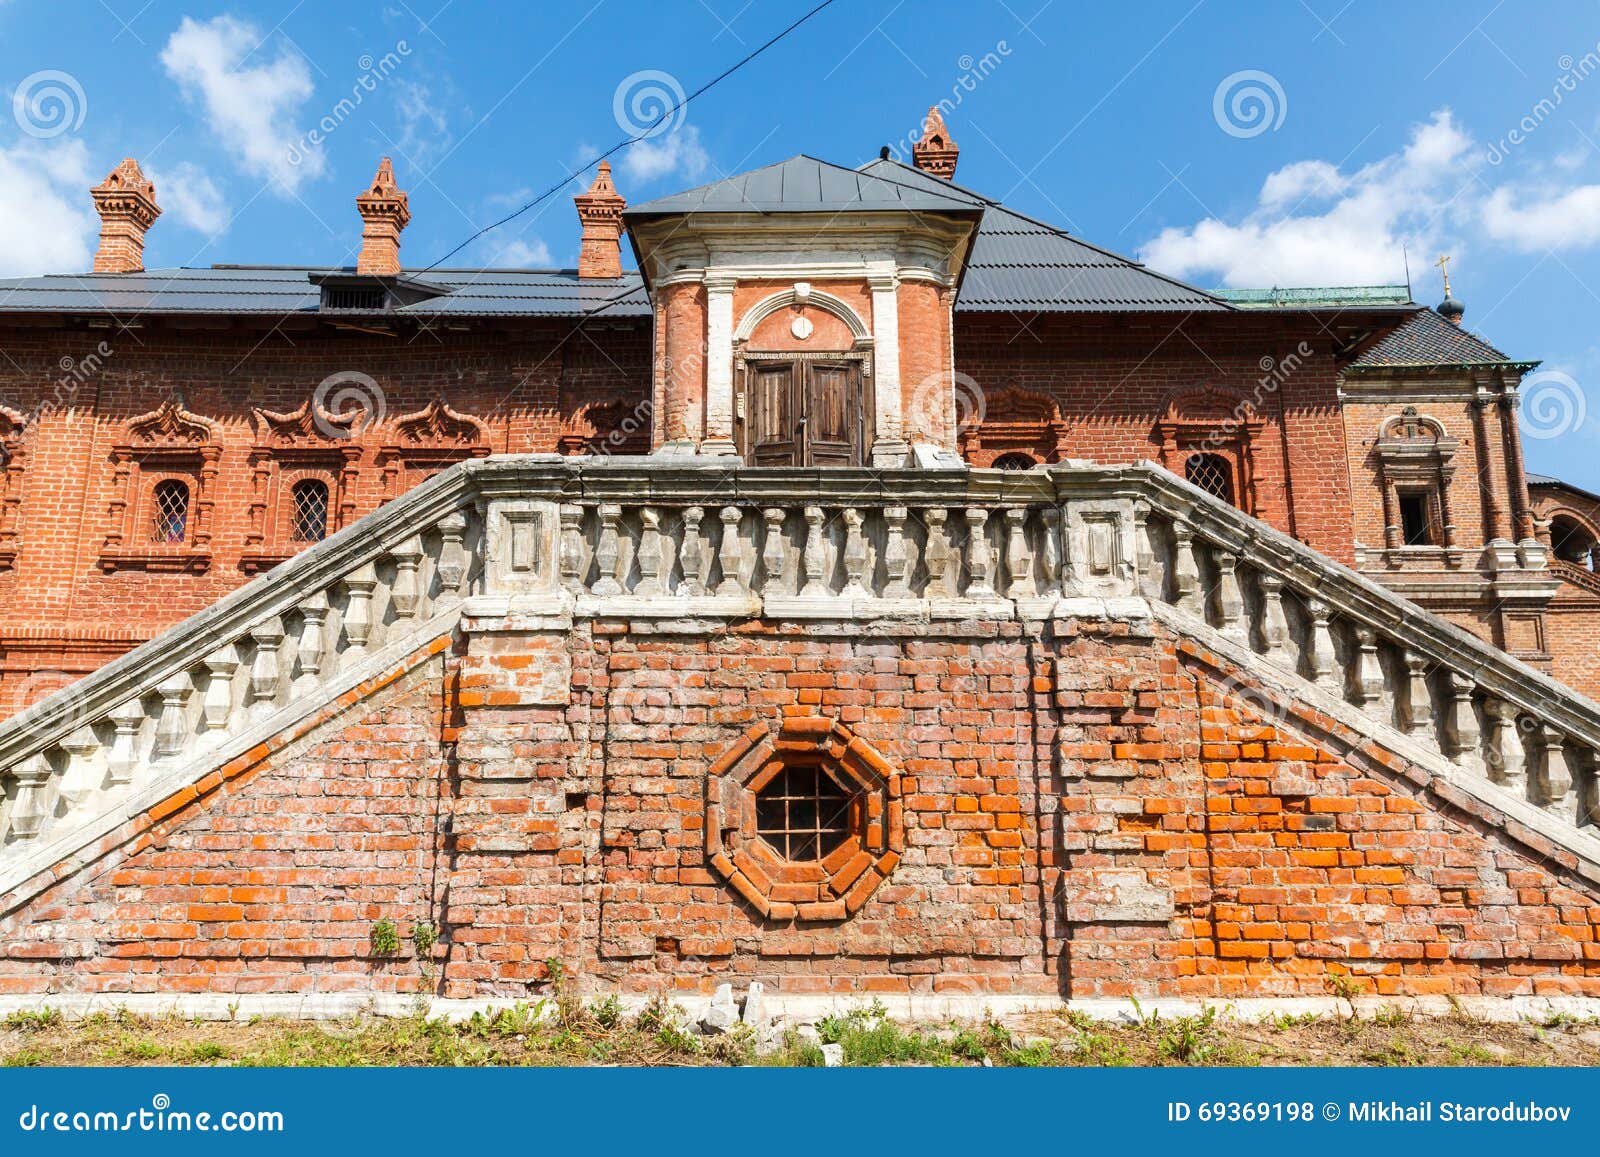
(189, 195)
(1539, 221)
(47, 221)
(678, 152)
(251, 102)
(1356, 227)
(519, 253)
(424, 129)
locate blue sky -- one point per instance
(1471, 128)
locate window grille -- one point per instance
(171, 512)
(310, 511)
(803, 813)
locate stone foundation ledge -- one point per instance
(803, 1009)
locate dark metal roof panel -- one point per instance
(1427, 339)
(804, 184)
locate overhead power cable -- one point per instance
(642, 135)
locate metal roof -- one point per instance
(1020, 264)
(1427, 340)
(1314, 297)
(804, 184)
(281, 290)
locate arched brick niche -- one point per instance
(806, 822)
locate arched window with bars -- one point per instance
(1212, 473)
(310, 511)
(169, 505)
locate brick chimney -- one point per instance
(935, 153)
(384, 211)
(600, 210)
(127, 206)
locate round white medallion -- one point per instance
(800, 327)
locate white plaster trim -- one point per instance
(771, 304)
(719, 364)
(889, 428)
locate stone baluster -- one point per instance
(1366, 674)
(28, 810)
(608, 551)
(814, 588)
(1229, 598)
(312, 651)
(855, 557)
(1019, 558)
(266, 669)
(1274, 622)
(979, 561)
(730, 555)
(936, 555)
(172, 725)
(1319, 656)
(1419, 703)
(1556, 787)
(1050, 550)
(360, 584)
(773, 554)
(1464, 735)
(1144, 552)
(126, 720)
(83, 775)
(1185, 571)
(406, 595)
(570, 518)
(452, 568)
(896, 555)
(649, 560)
(1508, 760)
(691, 556)
(216, 705)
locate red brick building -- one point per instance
(793, 608)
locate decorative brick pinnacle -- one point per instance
(935, 153)
(600, 211)
(385, 211)
(126, 202)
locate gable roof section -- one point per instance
(1427, 341)
(1020, 264)
(804, 184)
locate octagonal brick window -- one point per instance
(805, 823)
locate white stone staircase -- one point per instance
(565, 538)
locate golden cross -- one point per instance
(1444, 271)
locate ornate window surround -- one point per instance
(13, 424)
(309, 442)
(599, 427)
(831, 888)
(429, 439)
(1015, 420)
(1414, 454)
(167, 442)
(1211, 420)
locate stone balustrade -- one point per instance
(567, 538)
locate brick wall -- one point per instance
(1113, 382)
(1096, 812)
(62, 613)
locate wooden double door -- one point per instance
(804, 412)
